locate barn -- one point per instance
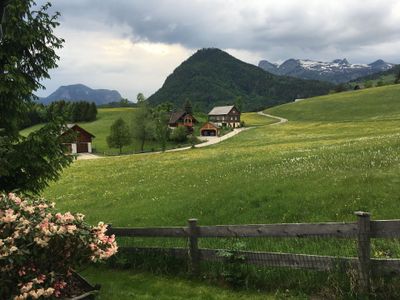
(77, 139)
(209, 129)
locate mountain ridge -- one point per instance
(80, 92)
(212, 77)
(336, 71)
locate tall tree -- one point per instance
(397, 79)
(239, 103)
(142, 123)
(140, 98)
(27, 53)
(161, 130)
(92, 112)
(188, 107)
(119, 135)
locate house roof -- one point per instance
(221, 110)
(210, 123)
(71, 126)
(175, 116)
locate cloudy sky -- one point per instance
(133, 45)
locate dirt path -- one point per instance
(281, 120)
(216, 140)
(85, 156)
(213, 140)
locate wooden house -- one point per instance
(209, 129)
(182, 118)
(77, 139)
(222, 116)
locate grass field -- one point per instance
(336, 155)
(101, 129)
(117, 285)
(106, 116)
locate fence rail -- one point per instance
(362, 230)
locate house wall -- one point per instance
(74, 148)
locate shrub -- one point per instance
(235, 271)
(39, 248)
(179, 134)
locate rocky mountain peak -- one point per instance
(336, 71)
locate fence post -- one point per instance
(194, 255)
(364, 251)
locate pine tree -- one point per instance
(188, 107)
(92, 112)
(27, 164)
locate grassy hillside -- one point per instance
(336, 155)
(382, 103)
(318, 147)
(212, 77)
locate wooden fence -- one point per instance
(362, 230)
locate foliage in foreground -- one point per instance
(27, 164)
(39, 247)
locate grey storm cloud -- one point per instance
(133, 45)
(303, 26)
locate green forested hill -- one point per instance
(213, 77)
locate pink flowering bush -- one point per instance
(39, 247)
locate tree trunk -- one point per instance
(142, 145)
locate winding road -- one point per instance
(281, 120)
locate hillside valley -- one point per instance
(337, 154)
(325, 145)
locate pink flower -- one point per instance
(9, 216)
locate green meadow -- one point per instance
(101, 129)
(337, 154)
(145, 286)
(106, 116)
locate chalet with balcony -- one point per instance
(225, 116)
(182, 118)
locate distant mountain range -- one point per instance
(213, 77)
(380, 75)
(336, 71)
(80, 92)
